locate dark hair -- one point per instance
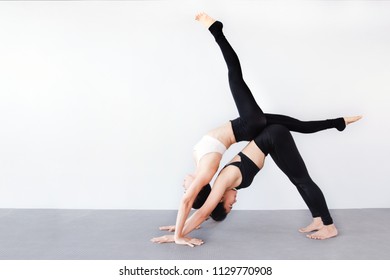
(202, 196)
(219, 213)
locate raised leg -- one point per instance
(252, 119)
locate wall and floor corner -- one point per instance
(101, 102)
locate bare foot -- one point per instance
(324, 233)
(316, 224)
(205, 19)
(349, 120)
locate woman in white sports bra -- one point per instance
(209, 150)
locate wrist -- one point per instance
(178, 236)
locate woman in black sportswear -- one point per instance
(208, 152)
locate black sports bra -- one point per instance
(247, 168)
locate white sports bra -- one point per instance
(208, 145)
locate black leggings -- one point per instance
(252, 120)
(277, 141)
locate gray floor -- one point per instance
(125, 234)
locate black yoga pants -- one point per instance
(252, 120)
(277, 141)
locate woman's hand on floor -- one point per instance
(188, 241)
(172, 228)
(164, 239)
(168, 228)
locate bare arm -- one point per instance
(224, 181)
(228, 178)
(185, 207)
(188, 199)
(200, 215)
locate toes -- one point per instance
(315, 236)
(312, 236)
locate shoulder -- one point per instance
(229, 177)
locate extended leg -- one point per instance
(310, 126)
(296, 125)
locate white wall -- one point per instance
(101, 102)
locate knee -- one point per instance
(303, 183)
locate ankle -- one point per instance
(216, 29)
(339, 124)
